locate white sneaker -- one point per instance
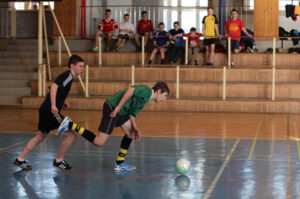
(64, 126)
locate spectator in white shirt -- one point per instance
(126, 30)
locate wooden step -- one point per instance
(192, 90)
(250, 75)
(183, 105)
(257, 60)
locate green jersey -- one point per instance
(141, 96)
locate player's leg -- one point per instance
(106, 127)
(120, 165)
(31, 144)
(64, 146)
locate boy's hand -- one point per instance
(54, 110)
(115, 112)
(136, 134)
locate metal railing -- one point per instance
(8, 22)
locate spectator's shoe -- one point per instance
(196, 63)
(189, 63)
(162, 61)
(210, 65)
(123, 167)
(62, 165)
(96, 49)
(150, 62)
(23, 164)
(64, 126)
(107, 49)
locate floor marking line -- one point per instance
(288, 172)
(11, 146)
(254, 141)
(297, 140)
(163, 136)
(213, 184)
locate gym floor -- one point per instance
(232, 156)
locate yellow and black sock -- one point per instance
(83, 132)
(126, 141)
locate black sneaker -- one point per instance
(162, 61)
(62, 165)
(196, 63)
(23, 164)
(150, 62)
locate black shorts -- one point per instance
(47, 122)
(108, 124)
(208, 42)
(234, 45)
(124, 37)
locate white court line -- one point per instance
(213, 184)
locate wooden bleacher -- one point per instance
(248, 84)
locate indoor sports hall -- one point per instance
(161, 99)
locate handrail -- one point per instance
(46, 42)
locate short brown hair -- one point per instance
(162, 86)
(74, 59)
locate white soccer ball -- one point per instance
(183, 166)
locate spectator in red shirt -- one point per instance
(144, 27)
(233, 28)
(194, 46)
(107, 27)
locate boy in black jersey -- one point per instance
(50, 116)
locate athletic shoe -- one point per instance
(196, 63)
(62, 165)
(123, 167)
(23, 164)
(107, 49)
(64, 126)
(122, 173)
(96, 49)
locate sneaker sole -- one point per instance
(59, 133)
(21, 167)
(120, 169)
(63, 169)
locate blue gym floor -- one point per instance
(221, 168)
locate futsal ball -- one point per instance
(183, 166)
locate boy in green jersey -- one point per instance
(120, 110)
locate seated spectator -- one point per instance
(126, 31)
(194, 46)
(161, 42)
(176, 42)
(144, 27)
(107, 27)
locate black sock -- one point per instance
(126, 141)
(83, 132)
